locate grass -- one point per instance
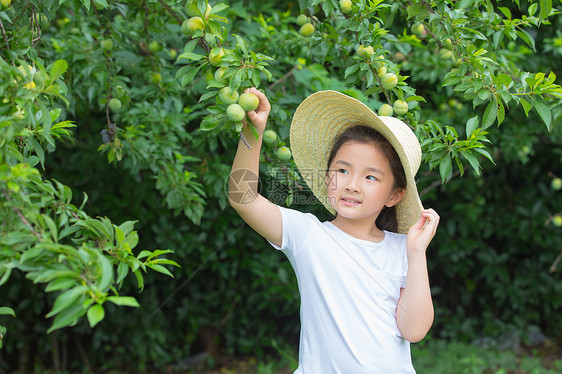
(432, 356)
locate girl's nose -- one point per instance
(352, 185)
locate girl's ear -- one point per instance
(396, 197)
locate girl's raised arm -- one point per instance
(258, 212)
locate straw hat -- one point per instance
(322, 116)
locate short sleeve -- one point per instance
(404, 248)
(296, 227)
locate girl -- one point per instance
(363, 276)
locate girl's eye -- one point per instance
(371, 178)
(342, 171)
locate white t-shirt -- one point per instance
(349, 293)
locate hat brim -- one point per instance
(321, 117)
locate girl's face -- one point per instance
(360, 182)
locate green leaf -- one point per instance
(211, 121)
(490, 114)
(544, 113)
(471, 125)
(446, 168)
(414, 98)
(527, 38)
(60, 284)
(526, 106)
(4, 310)
(546, 8)
(190, 56)
(95, 314)
(105, 272)
(58, 68)
(67, 317)
(189, 76)
(415, 9)
(473, 161)
(123, 301)
(501, 112)
(160, 269)
(66, 299)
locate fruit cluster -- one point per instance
(238, 104)
(270, 138)
(387, 80)
(306, 26)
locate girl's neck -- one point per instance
(365, 230)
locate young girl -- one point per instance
(363, 282)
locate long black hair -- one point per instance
(367, 135)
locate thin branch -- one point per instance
(108, 92)
(21, 216)
(35, 20)
(245, 141)
(284, 77)
(171, 11)
(555, 263)
(437, 183)
(4, 35)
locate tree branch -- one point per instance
(555, 263)
(171, 11)
(21, 216)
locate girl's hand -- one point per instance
(259, 116)
(421, 233)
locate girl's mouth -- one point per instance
(350, 201)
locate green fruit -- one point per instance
(154, 46)
(5, 3)
(248, 101)
(365, 52)
(345, 6)
(235, 113)
(269, 137)
(191, 25)
(284, 153)
(192, 10)
(219, 75)
(115, 104)
(400, 107)
(155, 78)
(448, 42)
(556, 184)
(106, 44)
(389, 81)
(307, 29)
(44, 21)
(385, 110)
(228, 96)
(418, 29)
(557, 221)
(381, 71)
(215, 56)
(378, 61)
(173, 53)
(118, 91)
(302, 19)
(208, 75)
(446, 54)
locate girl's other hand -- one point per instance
(421, 233)
(259, 116)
